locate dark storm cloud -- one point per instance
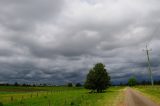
(60, 41)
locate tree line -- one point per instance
(40, 85)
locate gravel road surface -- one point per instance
(134, 98)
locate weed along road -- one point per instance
(134, 98)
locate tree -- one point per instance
(78, 85)
(132, 81)
(24, 84)
(70, 85)
(97, 78)
(16, 84)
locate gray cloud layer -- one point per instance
(60, 40)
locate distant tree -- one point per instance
(159, 82)
(132, 81)
(44, 84)
(16, 84)
(78, 85)
(69, 84)
(97, 78)
(156, 82)
(143, 82)
(24, 84)
(121, 84)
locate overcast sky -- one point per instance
(58, 41)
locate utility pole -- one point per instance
(149, 64)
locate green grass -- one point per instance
(32, 89)
(58, 96)
(153, 92)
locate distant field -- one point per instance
(153, 92)
(33, 89)
(58, 96)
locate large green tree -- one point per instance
(97, 78)
(132, 81)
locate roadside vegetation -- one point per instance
(153, 92)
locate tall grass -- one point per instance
(153, 92)
(62, 96)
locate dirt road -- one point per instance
(134, 98)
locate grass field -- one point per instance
(58, 96)
(153, 92)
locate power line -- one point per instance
(149, 64)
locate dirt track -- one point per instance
(134, 98)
